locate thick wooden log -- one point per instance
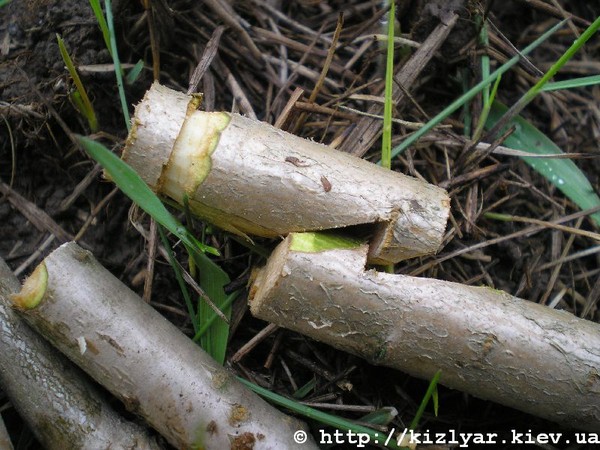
(486, 342)
(248, 177)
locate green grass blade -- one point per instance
(516, 108)
(212, 336)
(117, 63)
(435, 398)
(573, 83)
(485, 73)
(208, 323)
(563, 173)
(431, 391)
(4, 2)
(485, 60)
(134, 187)
(486, 110)
(134, 73)
(466, 111)
(472, 92)
(212, 280)
(321, 417)
(574, 48)
(95, 4)
(83, 101)
(179, 277)
(303, 391)
(78, 102)
(197, 244)
(386, 143)
(383, 416)
(494, 92)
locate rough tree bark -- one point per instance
(144, 360)
(58, 402)
(248, 177)
(486, 342)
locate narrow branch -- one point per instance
(250, 178)
(57, 400)
(145, 361)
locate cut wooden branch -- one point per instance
(250, 178)
(146, 361)
(486, 342)
(58, 401)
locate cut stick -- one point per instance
(58, 401)
(144, 360)
(487, 343)
(250, 178)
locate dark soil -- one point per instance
(40, 162)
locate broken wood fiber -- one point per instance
(250, 178)
(144, 360)
(486, 342)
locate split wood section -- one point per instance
(486, 342)
(250, 178)
(144, 360)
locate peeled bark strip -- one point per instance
(62, 408)
(144, 360)
(248, 177)
(486, 342)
